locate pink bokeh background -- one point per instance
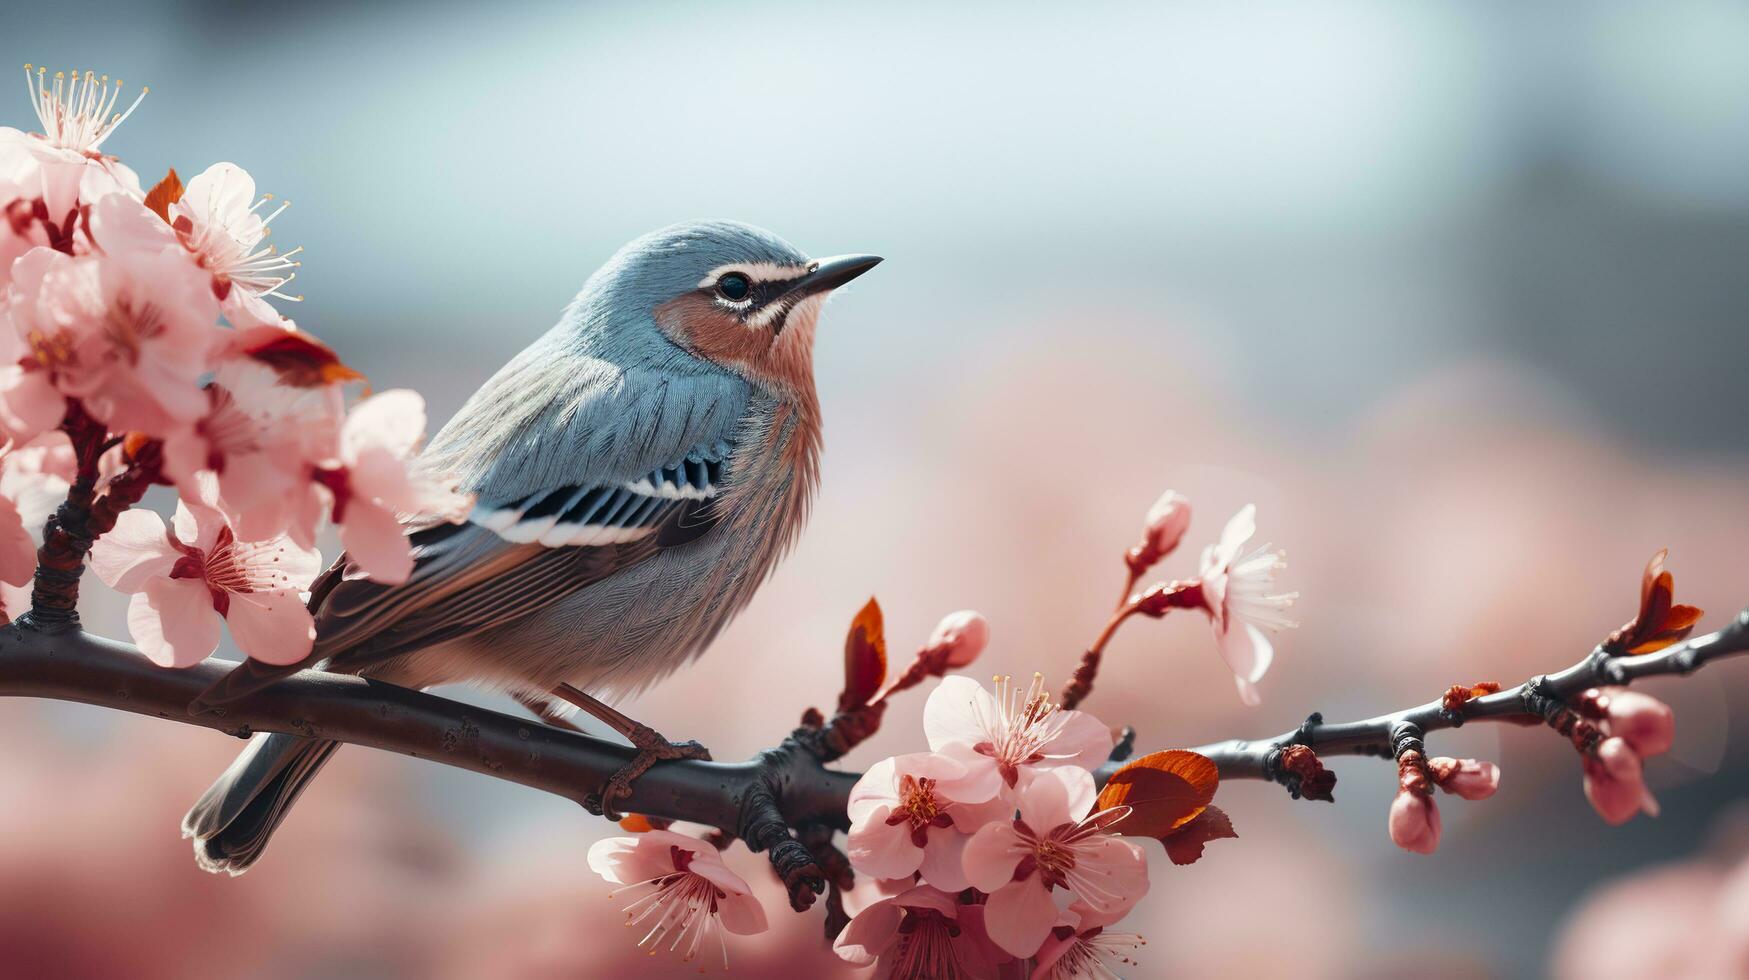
(1452, 292)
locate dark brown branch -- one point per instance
(1261, 758)
(770, 801)
(759, 801)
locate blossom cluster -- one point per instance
(991, 847)
(139, 331)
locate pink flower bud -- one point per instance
(1615, 783)
(1167, 521)
(963, 635)
(1468, 778)
(1646, 723)
(1414, 822)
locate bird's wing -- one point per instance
(651, 453)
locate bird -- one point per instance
(637, 471)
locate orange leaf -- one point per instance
(865, 658)
(167, 192)
(1164, 791)
(301, 360)
(1184, 845)
(636, 823)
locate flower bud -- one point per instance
(1162, 529)
(1647, 724)
(1167, 521)
(1414, 822)
(1615, 783)
(1468, 778)
(963, 635)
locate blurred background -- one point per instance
(1453, 291)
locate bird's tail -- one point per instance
(234, 819)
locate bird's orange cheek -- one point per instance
(697, 323)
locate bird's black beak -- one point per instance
(828, 274)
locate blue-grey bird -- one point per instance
(638, 472)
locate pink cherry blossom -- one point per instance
(1615, 783)
(217, 221)
(1053, 844)
(55, 171)
(186, 578)
(680, 890)
(127, 334)
(1240, 598)
(1003, 741)
(1468, 778)
(1414, 822)
(901, 823)
(222, 222)
(373, 484)
(262, 439)
(1083, 945)
(961, 635)
(1647, 724)
(921, 933)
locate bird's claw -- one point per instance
(652, 748)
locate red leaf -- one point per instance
(865, 658)
(1660, 621)
(1184, 845)
(167, 192)
(1164, 791)
(301, 360)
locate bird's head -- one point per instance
(725, 292)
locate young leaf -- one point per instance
(167, 192)
(1184, 845)
(1164, 791)
(301, 360)
(865, 658)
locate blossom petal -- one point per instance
(29, 403)
(1246, 649)
(742, 914)
(1077, 786)
(870, 933)
(884, 850)
(1116, 868)
(1084, 741)
(622, 862)
(393, 420)
(943, 859)
(1019, 916)
(1047, 799)
(992, 855)
(874, 789)
(374, 539)
(133, 551)
(173, 623)
(272, 627)
(17, 550)
(951, 714)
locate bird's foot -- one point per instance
(652, 748)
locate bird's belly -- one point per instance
(617, 636)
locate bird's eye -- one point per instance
(734, 286)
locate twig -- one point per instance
(1261, 758)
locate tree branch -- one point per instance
(759, 800)
(1261, 758)
(785, 793)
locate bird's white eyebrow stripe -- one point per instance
(756, 272)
